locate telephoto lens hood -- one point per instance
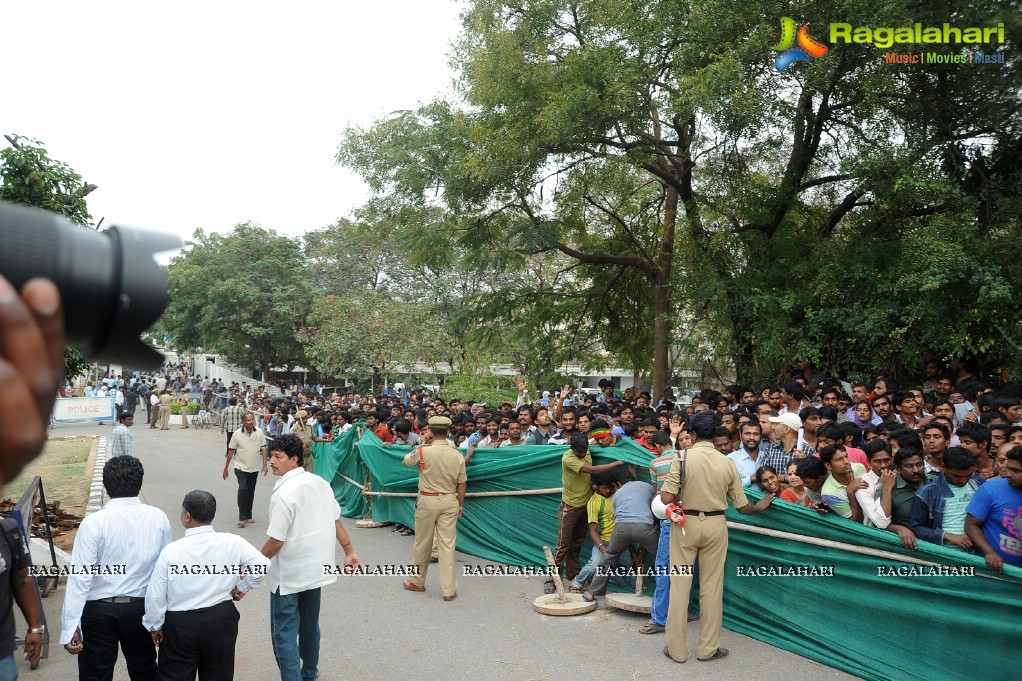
(110, 285)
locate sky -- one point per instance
(208, 114)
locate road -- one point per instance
(373, 629)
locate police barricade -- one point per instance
(78, 409)
(22, 514)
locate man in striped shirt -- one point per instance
(232, 418)
(114, 554)
(658, 470)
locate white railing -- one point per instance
(225, 376)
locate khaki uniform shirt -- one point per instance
(166, 401)
(444, 467)
(710, 480)
(304, 433)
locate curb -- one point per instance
(40, 548)
(96, 491)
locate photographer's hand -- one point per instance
(31, 367)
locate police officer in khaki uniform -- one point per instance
(165, 401)
(303, 431)
(710, 480)
(441, 499)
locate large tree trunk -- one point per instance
(745, 369)
(661, 336)
(663, 322)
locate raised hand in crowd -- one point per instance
(888, 479)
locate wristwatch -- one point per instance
(41, 629)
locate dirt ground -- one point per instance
(65, 467)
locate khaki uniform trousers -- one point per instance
(706, 538)
(154, 419)
(184, 416)
(164, 417)
(436, 519)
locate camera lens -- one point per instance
(110, 285)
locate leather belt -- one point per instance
(689, 511)
(434, 494)
(122, 599)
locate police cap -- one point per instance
(439, 422)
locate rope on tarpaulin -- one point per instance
(831, 544)
(509, 493)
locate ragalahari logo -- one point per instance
(807, 47)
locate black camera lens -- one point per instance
(110, 285)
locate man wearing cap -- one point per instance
(441, 500)
(303, 431)
(785, 449)
(710, 480)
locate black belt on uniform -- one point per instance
(689, 511)
(122, 599)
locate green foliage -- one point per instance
(244, 294)
(75, 363)
(361, 336)
(175, 408)
(700, 200)
(32, 178)
(478, 384)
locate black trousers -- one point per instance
(199, 641)
(229, 434)
(148, 409)
(246, 493)
(104, 626)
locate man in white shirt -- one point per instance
(114, 554)
(188, 608)
(877, 498)
(154, 407)
(305, 519)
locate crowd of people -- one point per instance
(905, 458)
(937, 460)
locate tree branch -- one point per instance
(824, 180)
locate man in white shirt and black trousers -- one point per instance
(188, 607)
(105, 601)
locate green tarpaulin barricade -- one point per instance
(856, 599)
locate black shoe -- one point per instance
(667, 652)
(719, 655)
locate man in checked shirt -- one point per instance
(232, 418)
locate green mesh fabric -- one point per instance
(876, 626)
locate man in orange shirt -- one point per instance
(379, 429)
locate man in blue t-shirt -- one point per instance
(994, 520)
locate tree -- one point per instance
(32, 178)
(656, 146)
(367, 336)
(244, 294)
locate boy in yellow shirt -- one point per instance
(600, 509)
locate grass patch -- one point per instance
(64, 468)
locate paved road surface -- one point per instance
(373, 629)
